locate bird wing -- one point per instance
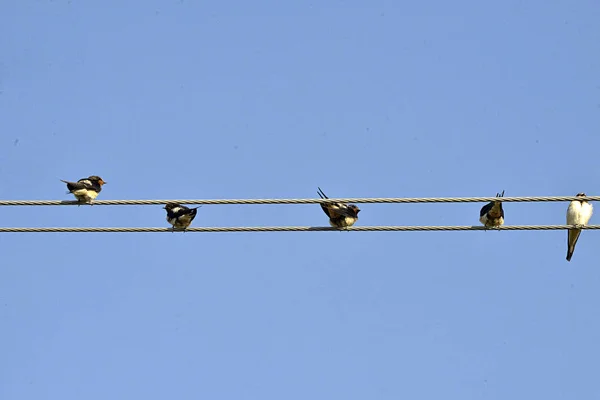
(81, 184)
(327, 208)
(183, 210)
(485, 209)
(334, 210)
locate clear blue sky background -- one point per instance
(263, 99)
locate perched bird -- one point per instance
(492, 214)
(85, 190)
(340, 215)
(579, 214)
(179, 216)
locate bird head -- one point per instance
(170, 206)
(95, 178)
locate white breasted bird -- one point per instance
(492, 214)
(85, 190)
(340, 215)
(578, 214)
(179, 216)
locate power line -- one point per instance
(300, 201)
(300, 229)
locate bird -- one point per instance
(492, 214)
(85, 190)
(341, 215)
(179, 216)
(578, 214)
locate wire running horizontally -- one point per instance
(302, 229)
(299, 201)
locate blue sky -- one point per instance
(270, 99)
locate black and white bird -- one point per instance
(492, 214)
(340, 215)
(85, 190)
(179, 216)
(578, 214)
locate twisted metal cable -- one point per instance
(301, 229)
(299, 201)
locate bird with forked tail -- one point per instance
(341, 215)
(87, 189)
(180, 216)
(492, 214)
(578, 214)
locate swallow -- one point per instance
(340, 215)
(578, 214)
(492, 214)
(179, 216)
(85, 190)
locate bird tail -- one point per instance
(321, 193)
(572, 238)
(570, 252)
(498, 203)
(69, 185)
